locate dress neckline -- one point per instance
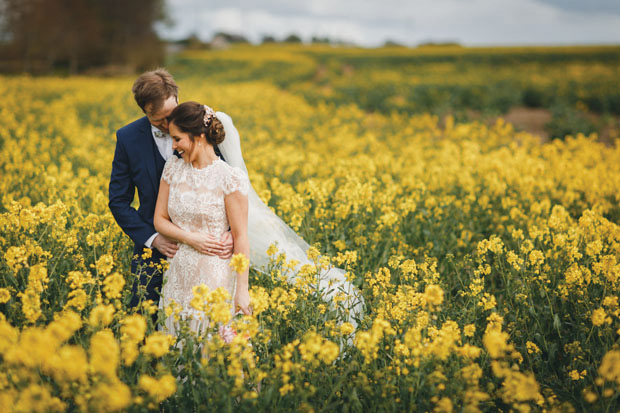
(202, 169)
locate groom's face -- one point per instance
(158, 118)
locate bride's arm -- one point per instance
(164, 225)
(161, 219)
(237, 213)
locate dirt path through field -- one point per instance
(532, 120)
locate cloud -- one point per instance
(587, 6)
(370, 23)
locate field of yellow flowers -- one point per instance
(578, 85)
(489, 263)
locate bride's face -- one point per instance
(182, 143)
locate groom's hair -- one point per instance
(154, 87)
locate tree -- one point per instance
(321, 40)
(268, 39)
(292, 38)
(73, 35)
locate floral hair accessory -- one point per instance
(209, 114)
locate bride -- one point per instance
(200, 197)
(199, 192)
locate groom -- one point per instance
(142, 148)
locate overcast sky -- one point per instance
(372, 22)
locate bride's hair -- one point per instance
(189, 118)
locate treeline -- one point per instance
(222, 39)
(71, 36)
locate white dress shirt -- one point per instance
(164, 146)
(163, 142)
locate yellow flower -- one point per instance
(157, 344)
(133, 328)
(590, 396)
(147, 253)
(598, 317)
(496, 342)
(31, 304)
(348, 257)
(409, 267)
(520, 387)
(8, 336)
(259, 298)
(69, 364)
(76, 279)
(5, 295)
(129, 351)
(610, 366)
(514, 260)
(469, 330)
(149, 306)
(313, 253)
(444, 405)
(102, 315)
(160, 389)
(38, 398)
(110, 397)
(105, 264)
(594, 248)
(272, 250)
(37, 278)
(532, 348)
(63, 327)
(610, 301)
(104, 353)
(575, 375)
(113, 285)
(239, 263)
(433, 294)
(536, 257)
(77, 299)
(346, 329)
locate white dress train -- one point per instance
(266, 228)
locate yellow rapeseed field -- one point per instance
(489, 263)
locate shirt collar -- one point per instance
(158, 133)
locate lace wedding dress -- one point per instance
(196, 204)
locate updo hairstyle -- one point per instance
(189, 118)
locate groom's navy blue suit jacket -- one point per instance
(137, 164)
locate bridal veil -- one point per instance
(266, 228)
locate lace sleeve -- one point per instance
(236, 180)
(169, 169)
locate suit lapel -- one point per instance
(147, 145)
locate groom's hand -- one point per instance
(227, 240)
(165, 246)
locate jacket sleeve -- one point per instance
(121, 194)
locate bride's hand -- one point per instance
(227, 241)
(242, 301)
(206, 244)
